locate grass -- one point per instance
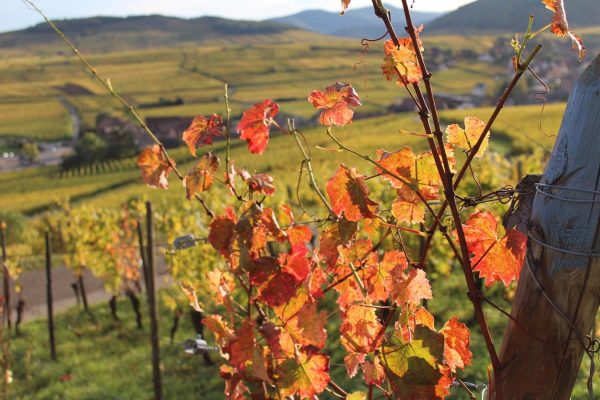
(104, 359)
(107, 359)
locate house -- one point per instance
(169, 129)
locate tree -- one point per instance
(31, 151)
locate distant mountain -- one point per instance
(358, 22)
(511, 16)
(114, 33)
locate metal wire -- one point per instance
(590, 254)
(539, 186)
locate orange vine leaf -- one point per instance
(495, 259)
(258, 183)
(400, 62)
(345, 5)
(349, 195)
(466, 138)
(202, 130)
(456, 344)
(336, 101)
(201, 178)
(560, 25)
(155, 167)
(305, 376)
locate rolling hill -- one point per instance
(359, 22)
(511, 16)
(100, 34)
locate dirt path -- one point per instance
(34, 290)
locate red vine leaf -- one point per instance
(202, 130)
(456, 344)
(349, 195)
(495, 259)
(155, 167)
(201, 178)
(336, 100)
(255, 125)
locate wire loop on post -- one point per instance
(539, 187)
(590, 254)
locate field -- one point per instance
(518, 131)
(287, 72)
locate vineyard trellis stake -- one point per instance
(51, 335)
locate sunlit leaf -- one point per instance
(202, 130)
(349, 195)
(255, 124)
(336, 101)
(155, 167)
(201, 178)
(495, 259)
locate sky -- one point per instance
(14, 14)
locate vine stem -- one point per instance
(311, 176)
(384, 170)
(108, 85)
(477, 146)
(473, 291)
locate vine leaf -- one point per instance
(336, 101)
(222, 230)
(400, 62)
(345, 5)
(373, 372)
(155, 167)
(202, 130)
(414, 368)
(349, 195)
(190, 293)
(359, 326)
(495, 259)
(466, 138)
(305, 376)
(258, 183)
(560, 25)
(254, 127)
(201, 178)
(456, 344)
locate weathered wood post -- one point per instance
(5, 276)
(559, 290)
(151, 293)
(49, 296)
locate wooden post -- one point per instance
(559, 288)
(49, 296)
(6, 277)
(151, 293)
(83, 293)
